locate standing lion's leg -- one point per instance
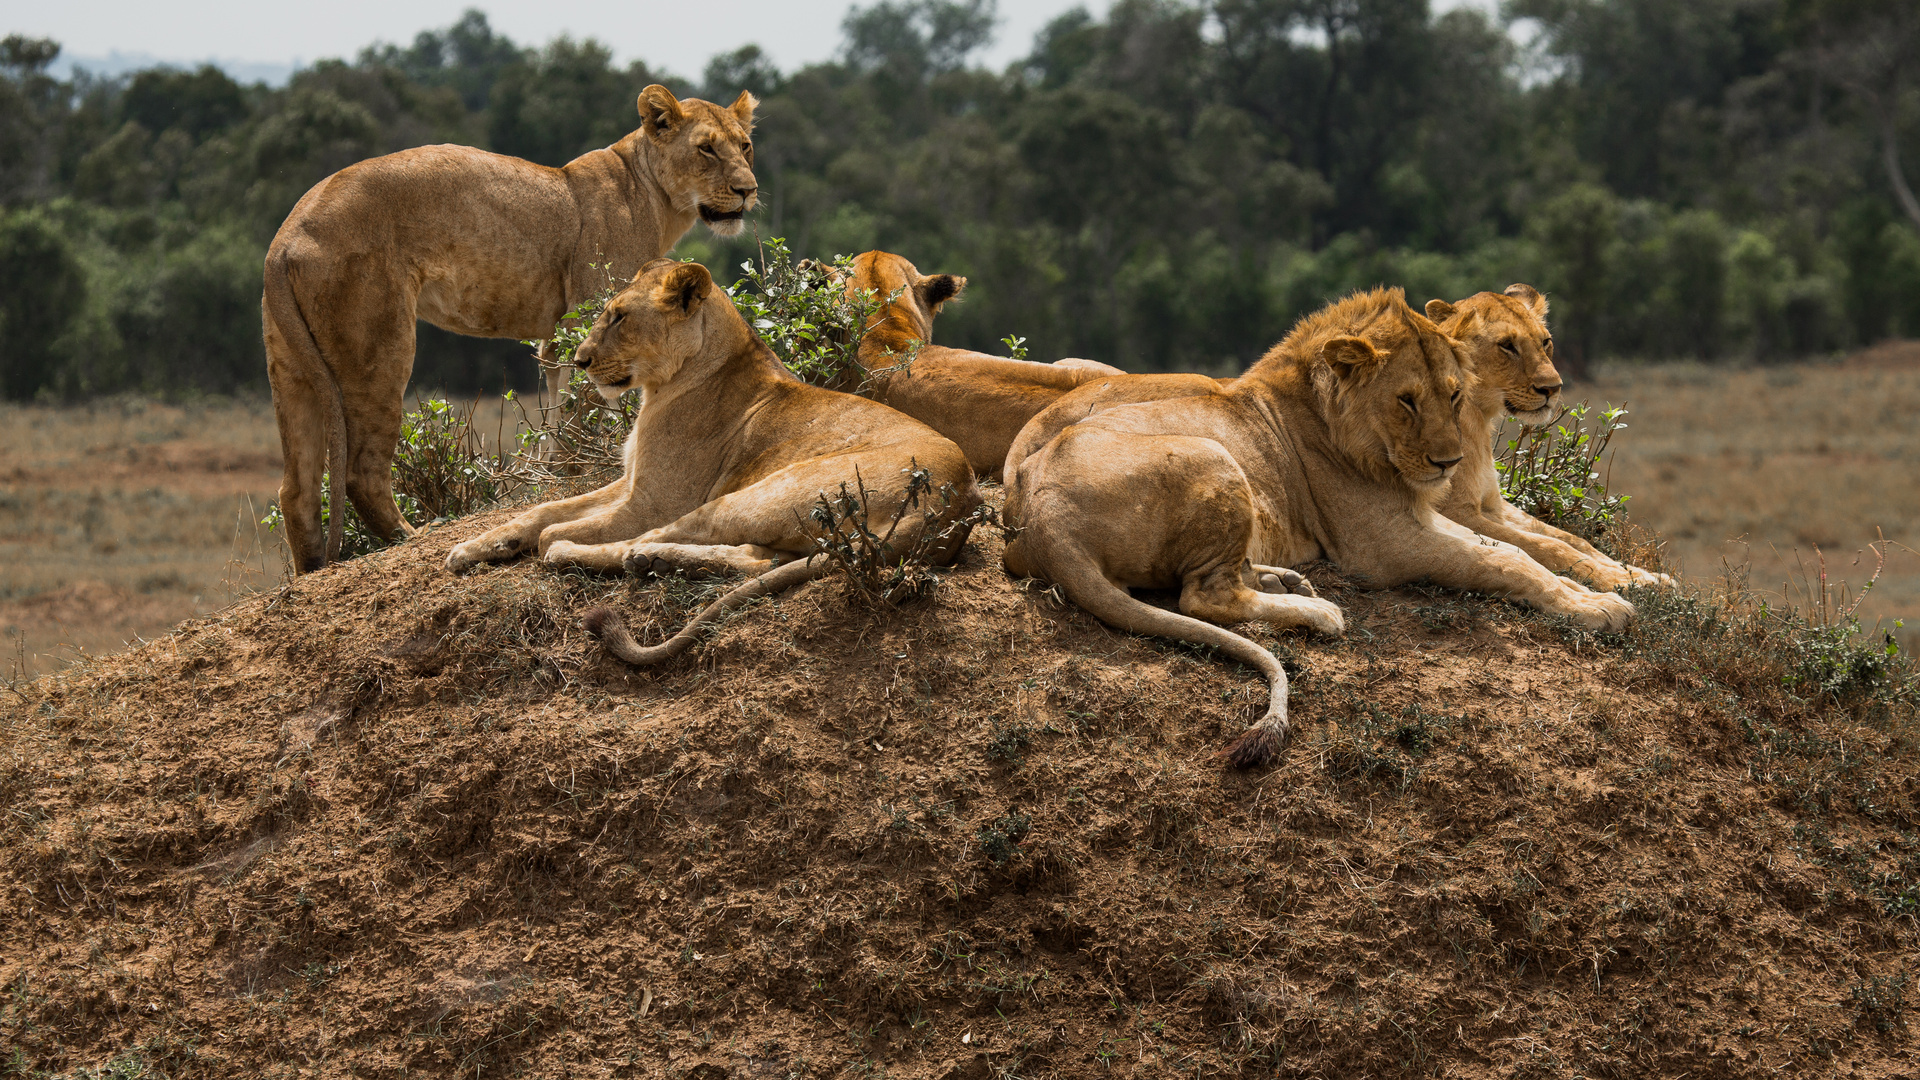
(302, 406)
(370, 348)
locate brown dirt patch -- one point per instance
(388, 822)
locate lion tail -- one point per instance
(606, 625)
(303, 385)
(1075, 571)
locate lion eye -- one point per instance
(707, 149)
(1407, 400)
(1508, 345)
(615, 321)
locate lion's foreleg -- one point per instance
(523, 534)
(1537, 538)
(1457, 558)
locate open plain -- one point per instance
(121, 518)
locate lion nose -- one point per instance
(1547, 391)
(1443, 466)
(746, 193)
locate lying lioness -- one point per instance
(1336, 444)
(977, 400)
(1512, 355)
(726, 459)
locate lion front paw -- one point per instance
(483, 549)
(1602, 611)
(1325, 616)
(1648, 579)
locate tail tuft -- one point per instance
(610, 630)
(1255, 747)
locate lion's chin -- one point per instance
(1531, 417)
(610, 392)
(724, 222)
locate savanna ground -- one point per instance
(119, 519)
(386, 822)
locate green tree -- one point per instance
(42, 290)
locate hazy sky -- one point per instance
(675, 35)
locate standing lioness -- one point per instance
(472, 242)
(726, 459)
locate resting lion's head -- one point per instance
(915, 297)
(702, 155)
(1390, 384)
(1509, 346)
(649, 331)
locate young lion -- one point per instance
(1336, 444)
(1512, 354)
(472, 242)
(977, 400)
(725, 461)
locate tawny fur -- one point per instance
(475, 243)
(1511, 350)
(727, 457)
(978, 400)
(1336, 444)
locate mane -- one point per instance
(1294, 367)
(1351, 315)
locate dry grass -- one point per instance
(1757, 468)
(120, 518)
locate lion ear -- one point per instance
(1439, 310)
(742, 108)
(660, 111)
(1529, 296)
(937, 289)
(684, 288)
(1349, 355)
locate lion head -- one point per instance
(652, 327)
(702, 155)
(909, 299)
(1509, 346)
(1390, 386)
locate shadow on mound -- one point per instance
(399, 822)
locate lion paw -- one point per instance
(1602, 611)
(1280, 580)
(1325, 616)
(1649, 579)
(472, 553)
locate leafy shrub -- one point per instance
(1552, 470)
(875, 568)
(804, 314)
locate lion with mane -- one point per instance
(1337, 444)
(472, 242)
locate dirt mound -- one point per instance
(388, 822)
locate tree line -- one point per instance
(1165, 188)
